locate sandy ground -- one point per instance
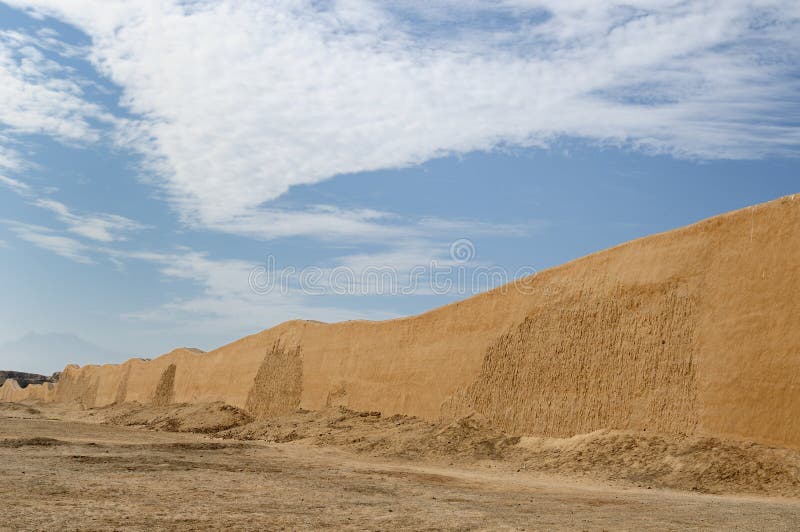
(68, 475)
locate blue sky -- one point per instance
(153, 155)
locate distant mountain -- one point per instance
(47, 353)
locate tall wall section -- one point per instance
(695, 331)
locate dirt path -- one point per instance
(72, 475)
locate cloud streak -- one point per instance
(100, 227)
(14, 184)
(45, 238)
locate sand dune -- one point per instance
(695, 332)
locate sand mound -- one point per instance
(469, 438)
(202, 418)
(662, 460)
(654, 460)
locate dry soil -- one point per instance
(85, 469)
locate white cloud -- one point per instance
(39, 95)
(47, 239)
(331, 223)
(319, 221)
(238, 101)
(9, 157)
(14, 184)
(327, 222)
(101, 227)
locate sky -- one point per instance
(183, 173)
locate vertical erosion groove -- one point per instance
(278, 385)
(165, 391)
(122, 389)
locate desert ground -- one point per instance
(137, 467)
